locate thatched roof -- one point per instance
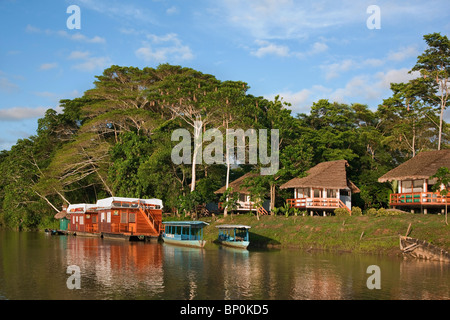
(62, 214)
(238, 184)
(329, 175)
(422, 166)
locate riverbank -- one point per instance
(358, 234)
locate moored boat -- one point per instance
(184, 233)
(236, 236)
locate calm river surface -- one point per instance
(35, 265)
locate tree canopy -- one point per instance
(116, 139)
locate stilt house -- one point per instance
(413, 182)
(325, 188)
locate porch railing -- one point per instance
(332, 203)
(418, 198)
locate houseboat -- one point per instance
(184, 233)
(83, 219)
(236, 236)
(122, 218)
(244, 202)
(413, 182)
(129, 218)
(324, 189)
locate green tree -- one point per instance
(442, 177)
(434, 67)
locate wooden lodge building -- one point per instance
(244, 202)
(324, 189)
(117, 218)
(414, 184)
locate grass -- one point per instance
(363, 234)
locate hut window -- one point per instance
(123, 217)
(331, 193)
(108, 217)
(302, 192)
(242, 197)
(81, 220)
(417, 185)
(317, 193)
(94, 219)
(132, 217)
(407, 186)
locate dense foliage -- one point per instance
(116, 140)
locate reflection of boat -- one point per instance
(235, 236)
(185, 233)
(423, 250)
(56, 232)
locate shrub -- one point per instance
(382, 212)
(341, 212)
(356, 211)
(371, 212)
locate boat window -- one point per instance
(123, 217)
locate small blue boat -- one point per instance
(184, 233)
(236, 236)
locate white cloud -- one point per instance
(64, 34)
(163, 49)
(89, 63)
(268, 48)
(287, 19)
(120, 10)
(335, 69)
(7, 86)
(21, 113)
(403, 53)
(172, 10)
(48, 66)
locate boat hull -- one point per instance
(235, 244)
(421, 249)
(185, 243)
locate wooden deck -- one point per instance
(418, 199)
(317, 203)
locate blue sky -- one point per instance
(300, 50)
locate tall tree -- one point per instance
(434, 66)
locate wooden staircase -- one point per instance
(154, 223)
(343, 206)
(262, 211)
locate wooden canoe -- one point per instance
(421, 249)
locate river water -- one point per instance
(39, 266)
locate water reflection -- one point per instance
(33, 266)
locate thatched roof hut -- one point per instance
(62, 214)
(422, 166)
(238, 184)
(326, 175)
